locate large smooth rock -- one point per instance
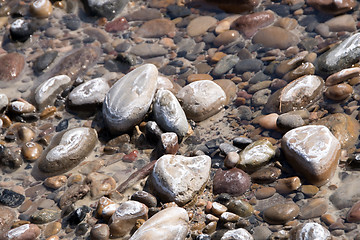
(88, 95)
(178, 178)
(169, 224)
(275, 37)
(310, 230)
(12, 64)
(106, 8)
(67, 150)
(201, 99)
(125, 217)
(129, 99)
(313, 151)
(168, 113)
(46, 93)
(339, 57)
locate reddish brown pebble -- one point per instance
(131, 157)
(249, 24)
(31, 151)
(118, 24)
(11, 66)
(354, 213)
(339, 92)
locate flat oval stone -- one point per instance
(201, 99)
(234, 6)
(340, 23)
(11, 66)
(168, 113)
(100, 231)
(148, 50)
(31, 151)
(333, 7)
(125, 217)
(46, 93)
(256, 155)
(275, 37)
(10, 198)
(281, 213)
(250, 23)
(178, 178)
(266, 175)
(233, 181)
(310, 230)
(44, 216)
(129, 99)
(287, 185)
(314, 208)
(240, 207)
(342, 76)
(169, 224)
(229, 88)
(157, 28)
(24, 232)
(339, 92)
(67, 150)
(89, 94)
(200, 25)
(226, 37)
(239, 233)
(312, 151)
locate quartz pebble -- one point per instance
(24, 232)
(240, 233)
(310, 230)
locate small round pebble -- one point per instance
(100, 232)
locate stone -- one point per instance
(306, 68)
(200, 25)
(342, 76)
(10, 198)
(125, 218)
(240, 207)
(347, 194)
(71, 21)
(218, 209)
(310, 230)
(261, 97)
(21, 30)
(31, 151)
(291, 64)
(256, 155)
(106, 8)
(248, 65)
(176, 11)
(343, 55)
(266, 175)
(233, 181)
(201, 99)
(288, 121)
(281, 213)
(259, 86)
(106, 208)
(144, 197)
(169, 224)
(156, 28)
(89, 95)
(117, 25)
(78, 215)
(309, 190)
(287, 185)
(100, 184)
(169, 143)
(8, 160)
(343, 127)
(333, 7)
(46, 93)
(72, 194)
(229, 88)
(229, 217)
(224, 65)
(314, 208)
(12, 64)
(275, 37)
(100, 231)
(344, 22)
(129, 99)
(249, 24)
(313, 151)
(226, 37)
(55, 182)
(4, 101)
(178, 178)
(234, 6)
(168, 113)
(67, 150)
(231, 159)
(144, 14)
(7, 218)
(339, 92)
(353, 214)
(20, 106)
(269, 121)
(240, 233)
(261, 233)
(44, 216)
(24, 232)
(41, 8)
(264, 192)
(148, 50)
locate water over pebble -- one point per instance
(11, 66)
(249, 24)
(233, 181)
(157, 28)
(200, 25)
(106, 8)
(281, 213)
(275, 37)
(24, 232)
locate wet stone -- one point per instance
(264, 192)
(287, 185)
(63, 125)
(106, 8)
(157, 28)
(240, 233)
(353, 214)
(275, 37)
(200, 25)
(41, 8)
(118, 24)
(74, 193)
(144, 197)
(310, 230)
(21, 30)
(333, 7)
(226, 38)
(21, 106)
(250, 23)
(55, 182)
(224, 65)
(7, 218)
(31, 151)
(44, 216)
(314, 208)
(242, 142)
(12, 64)
(289, 121)
(281, 213)
(233, 181)
(178, 178)
(175, 11)
(78, 215)
(24, 232)
(100, 231)
(71, 21)
(339, 92)
(344, 22)
(10, 198)
(100, 184)
(347, 194)
(144, 14)
(105, 208)
(169, 143)
(148, 50)
(240, 207)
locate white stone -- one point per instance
(237, 234)
(169, 224)
(201, 99)
(178, 178)
(129, 99)
(168, 113)
(312, 231)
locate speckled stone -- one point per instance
(233, 181)
(11, 67)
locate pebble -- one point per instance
(169, 143)
(281, 213)
(117, 25)
(218, 209)
(168, 113)
(266, 175)
(21, 30)
(78, 215)
(178, 178)
(100, 184)
(310, 230)
(287, 185)
(233, 181)
(306, 68)
(7, 218)
(229, 88)
(229, 217)
(264, 192)
(52, 229)
(236, 7)
(200, 25)
(275, 37)
(313, 151)
(269, 121)
(31, 151)
(105, 208)
(261, 233)
(333, 7)
(12, 64)
(157, 28)
(46, 93)
(347, 194)
(125, 218)
(309, 190)
(231, 159)
(242, 142)
(249, 65)
(106, 8)
(344, 22)
(100, 231)
(67, 150)
(342, 76)
(249, 24)
(239, 233)
(21, 106)
(10, 198)
(144, 197)
(224, 65)
(226, 37)
(339, 92)
(44, 216)
(256, 155)
(201, 99)
(41, 8)
(89, 95)
(314, 208)
(170, 223)
(240, 207)
(353, 214)
(4, 101)
(42, 62)
(8, 160)
(24, 232)
(72, 194)
(288, 121)
(259, 86)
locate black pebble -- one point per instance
(20, 30)
(62, 125)
(72, 21)
(78, 215)
(175, 11)
(11, 198)
(44, 61)
(81, 229)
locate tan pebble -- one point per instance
(311, 57)
(198, 226)
(6, 121)
(218, 56)
(47, 112)
(26, 134)
(55, 182)
(18, 189)
(105, 207)
(168, 42)
(41, 8)
(342, 76)
(226, 38)
(229, 217)
(208, 207)
(265, 192)
(339, 92)
(60, 4)
(201, 203)
(299, 12)
(328, 218)
(231, 159)
(19, 223)
(210, 218)
(222, 26)
(287, 23)
(31, 151)
(287, 185)
(54, 237)
(52, 229)
(210, 228)
(196, 77)
(217, 208)
(269, 121)
(3, 21)
(309, 190)
(21, 106)
(306, 68)
(73, 179)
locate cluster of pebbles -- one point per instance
(167, 119)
